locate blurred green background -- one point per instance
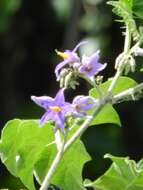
(30, 31)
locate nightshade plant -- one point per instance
(50, 150)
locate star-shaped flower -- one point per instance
(90, 65)
(70, 57)
(56, 108)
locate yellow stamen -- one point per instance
(56, 109)
(62, 55)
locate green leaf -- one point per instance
(124, 174)
(21, 144)
(108, 114)
(24, 148)
(69, 173)
(123, 8)
(122, 84)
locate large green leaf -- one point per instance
(25, 147)
(108, 114)
(124, 174)
(21, 144)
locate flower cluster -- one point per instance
(87, 66)
(57, 109)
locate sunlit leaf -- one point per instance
(26, 150)
(107, 115)
(21, 144)
(124, 174)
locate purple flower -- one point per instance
(70, 57)
(91, 66)
(82, 104)
(56, 108)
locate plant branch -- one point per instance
(58, 140)
(130, 94)
(53, 167)
(127, 43)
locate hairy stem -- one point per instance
(129, 94)
(53, 167)
(127, 43)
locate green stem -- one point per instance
(58, 139)
(54, 166)
(127, 43)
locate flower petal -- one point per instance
(43, 101)
(60, 99)
(60, 66)
(60, 121)
(82, 104)
(47, 116)
(95, 57)
(79, 44)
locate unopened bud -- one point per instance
(99, 79)
(130, 65)
(68, 79)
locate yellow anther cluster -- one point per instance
(56, 109)
(62, 55)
